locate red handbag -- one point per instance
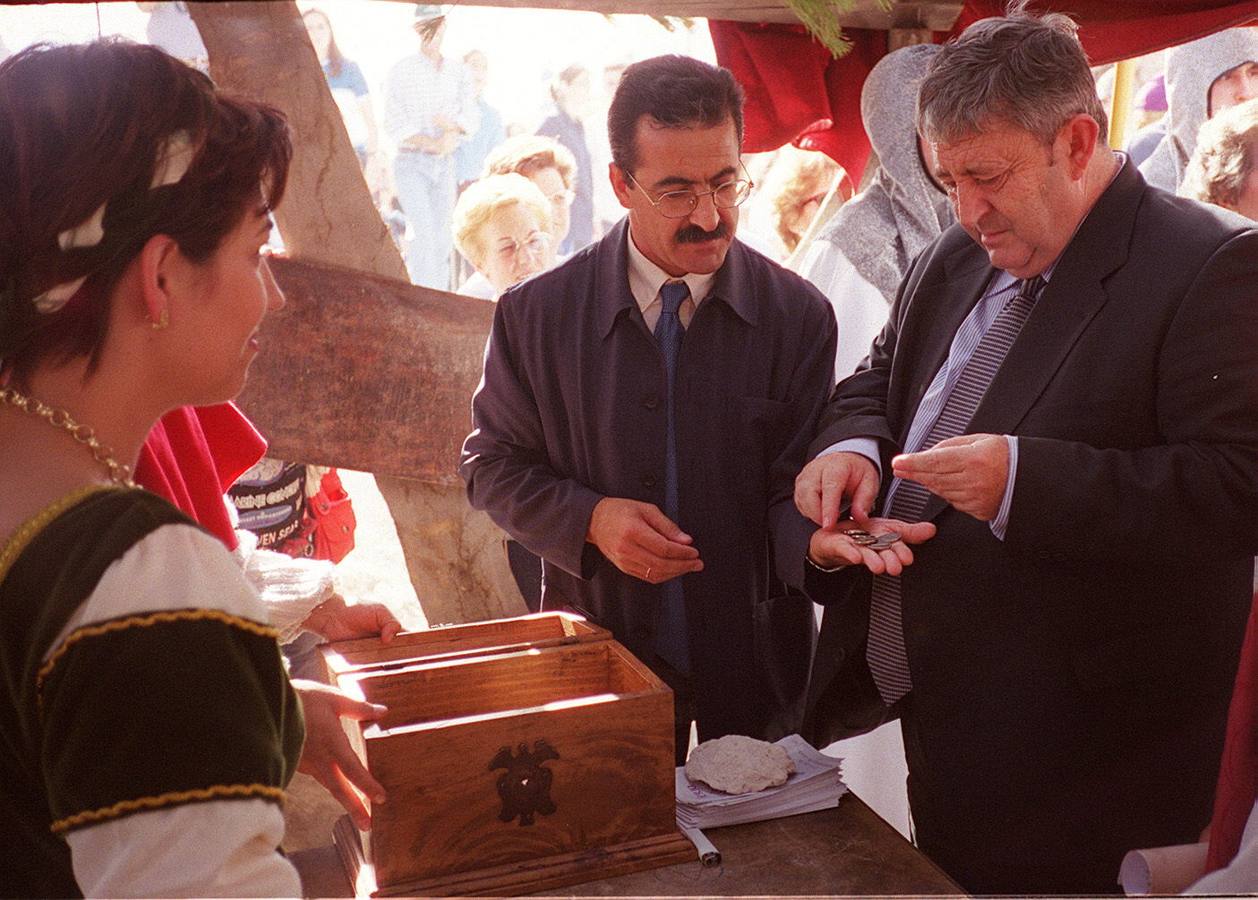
(328, 523)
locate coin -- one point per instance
(885, 541)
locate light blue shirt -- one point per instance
(1000, 289)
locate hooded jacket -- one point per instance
(1190, 71)
(901, 211)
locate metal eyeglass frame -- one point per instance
(696, 196)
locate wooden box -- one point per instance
(514, 771)
(461, 641)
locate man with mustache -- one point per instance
(1065, 389)
(645, 407)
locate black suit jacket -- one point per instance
(1070, 684)
(571, 409)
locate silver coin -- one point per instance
(886, 541)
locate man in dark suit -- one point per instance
(1067, 389)
(646, 406)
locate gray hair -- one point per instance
(1024, 70)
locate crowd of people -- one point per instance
(996, 487)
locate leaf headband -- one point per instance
(172, 165)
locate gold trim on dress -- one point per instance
(28, 530)
(146, 620)
(168, 799)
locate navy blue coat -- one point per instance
(571, 409)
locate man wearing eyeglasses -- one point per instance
(645, 407)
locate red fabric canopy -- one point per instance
(796, 91)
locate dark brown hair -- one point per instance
(336, 59)
(86, 125)
(675, 91)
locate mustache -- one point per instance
(693, 234)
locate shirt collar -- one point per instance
(646, 278)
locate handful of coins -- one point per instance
(874, 542)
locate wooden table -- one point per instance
(846, 850)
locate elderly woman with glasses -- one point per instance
(502, 227)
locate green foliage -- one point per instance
(821, 18)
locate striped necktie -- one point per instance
(888, 662)
(671, 636)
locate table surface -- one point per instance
(845, 850)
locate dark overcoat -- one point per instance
(571, 409)
(1071, 683)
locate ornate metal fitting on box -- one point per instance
(525, 785)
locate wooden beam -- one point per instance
(362, 347)
(368, 373)
(935, 15)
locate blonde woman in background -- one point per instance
(502, 226)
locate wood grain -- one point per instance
(613, 782)
(461, 641)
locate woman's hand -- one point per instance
(327, 755)
(336, 620)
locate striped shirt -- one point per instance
(1001, 289)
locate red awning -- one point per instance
(797, 92)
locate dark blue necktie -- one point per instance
(670, 622)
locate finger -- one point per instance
(662, 524)
(808, 494)
(348, 707)
(911, 532)
(864, 496)
(356, 774)
(831, 500)
(935, 460)
(339, 787)
(387, 624)
(655, 548)
(872, 561)
(891, 561)
(962, 440)
(832, 550)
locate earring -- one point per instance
(163, 319)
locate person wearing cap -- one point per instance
(1203, 78)
(430, 109)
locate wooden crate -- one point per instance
(461, 641)
(514, 772)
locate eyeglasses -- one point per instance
(680, 204)
(535, 245)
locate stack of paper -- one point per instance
(816, 784)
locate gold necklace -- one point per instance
(85, 435)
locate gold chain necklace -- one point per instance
(85, 435)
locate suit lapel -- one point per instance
(1074, 295)
(931, 322)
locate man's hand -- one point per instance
(335, 620)
(327, 755)
(824, 483)
(641, 541)
(832, 547)
(969, 471)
